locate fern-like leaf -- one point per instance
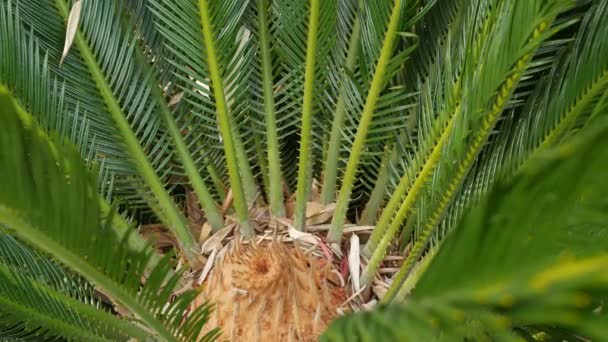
(510, 269)
(48, 198)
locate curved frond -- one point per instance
(480, 100)
(46, 100)
(32, 264)
(509, 268)
(577, 78)
(51, 301)
(30, 69)
(386, 64)
(40, 310)
(107, 59)
(319, 10)
(48, 198)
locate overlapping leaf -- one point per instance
(532, 257)
(577, 80)
(48, 198)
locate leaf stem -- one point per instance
(206, 201)
(212, 212)
(370, 212)
(304, 162)
(385, 235)
(275, 186)
(240, 203)
(220, 188)
(378, 81)
(328, 192)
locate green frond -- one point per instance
(144, 24)
(386, 64)
(484, 96)
(47, 100)
(544, 112)
(509, 268)
(315, 43)
(302, 108)
(142, 20)
(194, 111)
(235, 159)
(21, 47)
(378, 188)
(586, 78)
(432, 135)
(331, 162)
(432, 29)
(33, 265)
(565, 226)
(439, 93)
(108, 87)
(375, 16)
(41, 299)
(406, 114)
(16, 333)
(48, 198)
(274, 187)
(179, 22)
(129, 110)
(62, 303)
(425, 60)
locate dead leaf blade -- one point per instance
(72, 26)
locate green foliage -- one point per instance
(576, 69)
(48, 198)
(37, 291)
(533, 254)
(408, 112)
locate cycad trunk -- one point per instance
(272, 292)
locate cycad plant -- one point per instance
(251, 169)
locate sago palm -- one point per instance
(252, 169)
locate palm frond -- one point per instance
(332, 157)
(208, 65)
(63, 304)
(141, 19)
(146, 29)
(106, 59)
(47, 100)
(41, 299)
(48, 198)
(322, 15)
(265, 75)
(236, 159)
(418, 155)
(19, 20)
(573, 72)
(435, 30)
(390, 59)
(510, 268)
(480, 100)
(15, 255)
